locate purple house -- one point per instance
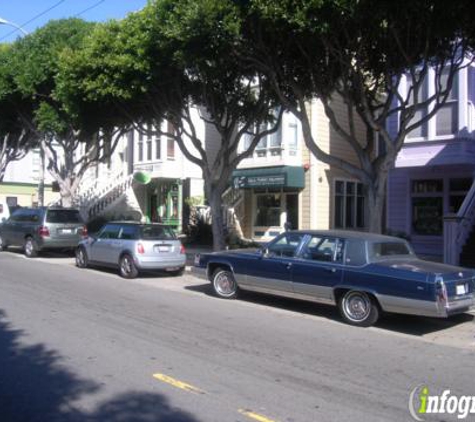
(430, 194)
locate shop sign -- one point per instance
(267, 181)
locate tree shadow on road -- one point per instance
(406, 324)
(35, 386)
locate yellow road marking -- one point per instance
(255, 416)
(178, 384)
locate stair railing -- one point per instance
(457, 228)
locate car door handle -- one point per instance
(287, 265)
(330, 270)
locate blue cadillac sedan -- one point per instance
(363, 274)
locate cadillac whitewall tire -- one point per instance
(358, 308)
(224, 284)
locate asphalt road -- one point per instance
(86, 345)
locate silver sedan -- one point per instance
(132, 247)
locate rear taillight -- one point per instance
(140, 248)
(43, 231)
(84, 232)
(182, 249)
(441, 292)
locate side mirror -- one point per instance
(181, 236)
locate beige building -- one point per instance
(284, 183)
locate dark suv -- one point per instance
(36, 229)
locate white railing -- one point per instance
(457, 228)
(106, 197)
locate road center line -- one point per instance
(178, 384)
(255, 416)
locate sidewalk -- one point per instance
(192, 250)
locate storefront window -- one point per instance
(268, 210)
(349, 205)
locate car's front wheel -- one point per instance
(31, 250)
(224, 284)
(358, 308)
(81, 257)
(127, 267)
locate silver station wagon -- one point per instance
(133, 247)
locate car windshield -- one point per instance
(63, 216)
(386, 249)
(157, 233)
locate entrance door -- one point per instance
(293, 210)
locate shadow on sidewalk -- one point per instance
(36, 387)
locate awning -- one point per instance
(269, 177)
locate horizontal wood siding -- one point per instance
(398, 198)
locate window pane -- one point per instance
(149, 150)
(427, 216)
(427, 186)
(158, 152)
(339, 208)
(447, 119)
(350, 211)
(170, 148)
(286, 245)
(360, 212)
(453, 95)
(421, 130)
(268, 210)
(140, 158)
(319, 249)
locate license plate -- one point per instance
(162, 248)
(460, 289)
(66, 231)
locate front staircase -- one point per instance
(459, 233)
(233, 202)
(111, 196)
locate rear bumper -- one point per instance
(57, 243)
(457, 307)
(154, 264)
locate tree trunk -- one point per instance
(376, 200)
(215, 203)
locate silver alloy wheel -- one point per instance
(80, 258)
(224, 284)
(357, 306)
(126, 265)
(29, 247)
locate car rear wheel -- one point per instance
(30, 248)
(127, 267)
(224, 284)
(358, 308)
(3, 245)
(81, 258)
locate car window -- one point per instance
(16, 216)
(355, 253)
(154, 232)
(109, 232)
(386, 249)
(128, 233)
(320, 249)
(63, 216)
(286, 245)
(32, 217)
